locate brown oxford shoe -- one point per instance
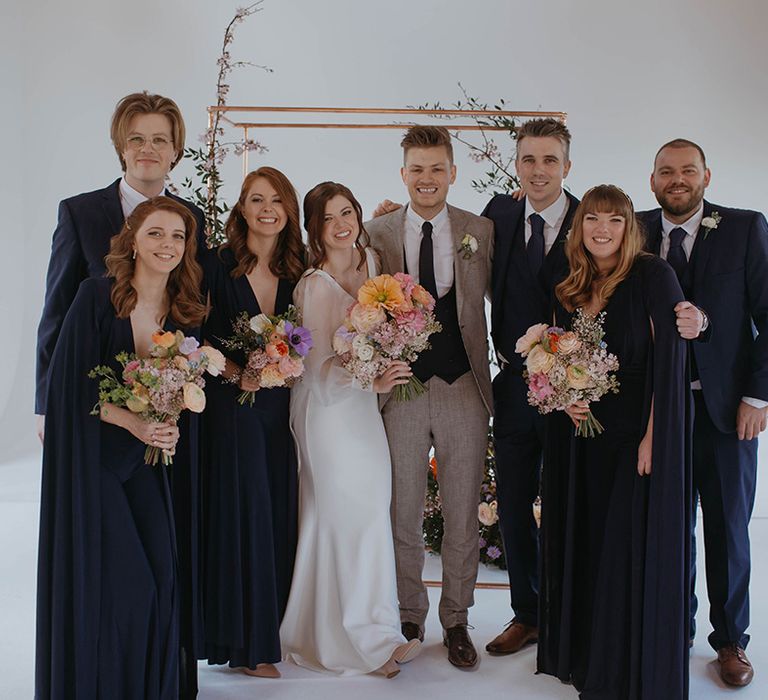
(461, 651)
(735, 668)
(411, 630)
(513, 638)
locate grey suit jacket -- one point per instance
(472, 275)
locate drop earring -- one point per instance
(133, 257)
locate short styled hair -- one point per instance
(681, 143)
(144, 103)
(546, 126)
(427, 137)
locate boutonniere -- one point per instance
(708, 223)
(468, 247)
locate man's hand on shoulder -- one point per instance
(386, 207)
(750, 421)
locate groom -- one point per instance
(448, 251)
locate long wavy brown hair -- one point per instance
(314, 215)
(289, 258)
(577, 289)
(185, 303)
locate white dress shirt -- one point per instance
(131, 198)
(442, 247)
(553, 217)
(691, 227)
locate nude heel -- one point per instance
(262, 671)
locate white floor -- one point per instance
(429, 676)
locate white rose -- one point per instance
(708, 222)
(470, 242)
(260, 323)
(531, 338)
(362, 349)
(486, 513)
(539, 360)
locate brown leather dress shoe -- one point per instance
(461, 651)
(411, 631)
(513, 638)
(735, 668)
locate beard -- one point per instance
(680, 206)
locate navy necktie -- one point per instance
(427, 260)
(676, 255)
(535, 247)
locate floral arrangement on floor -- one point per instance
(211, 155)
(275, 347)
(562, 367)
(489, 534)
(392, 319)
(159, 387)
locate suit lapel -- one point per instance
(393, 250)
(702, 249)
(653, 231)
(460, 265)
(113, 210)
(505, 236)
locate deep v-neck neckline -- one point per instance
(167, 326)
(370, 273)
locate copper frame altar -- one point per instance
(245, 126)
(227, 116)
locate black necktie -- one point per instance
(427, 260)
(676, 255)
(535, 247)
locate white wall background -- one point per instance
(630, 76)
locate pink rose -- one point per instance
(531, 338)
(365, 318)
(540, 386)
(412, 320)
(271, 377)
(406, 283)
(289, 367)
(422, 297)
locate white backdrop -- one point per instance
(630, 78)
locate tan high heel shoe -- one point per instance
(402, 654)
(262, 671)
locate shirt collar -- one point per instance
(691, 226)
(552, 214)
(437, 220)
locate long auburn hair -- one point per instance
(289, 258)
(186, 308)
(577, 288)
(314, 215)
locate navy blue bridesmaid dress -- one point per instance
(613, 599)
(108, 612)
(250, 473)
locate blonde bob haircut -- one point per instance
(144, 103)
(578, 287)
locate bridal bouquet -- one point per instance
(563, 367)
(392, 319)
(161, 386)
(275, 347)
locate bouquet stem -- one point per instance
(152, 455)
(249, 396)
(405, 392)
(589, 426)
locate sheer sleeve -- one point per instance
(323, 308)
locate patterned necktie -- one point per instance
(427, 260)
(535, 247)
(676, 255)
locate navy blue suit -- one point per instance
(86, 225)
(519, 300)
(727, 277)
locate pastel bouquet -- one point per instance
(275, 348)
(562, 367)
(159, 387)
(392, 319)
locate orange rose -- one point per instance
(423, 297)
(164, 339)
(277, 350)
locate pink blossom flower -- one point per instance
(540, 386)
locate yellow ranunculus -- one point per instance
(194, 397)
(383, 291)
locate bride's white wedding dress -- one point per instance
(342, 614)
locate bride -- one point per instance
(342, 614)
